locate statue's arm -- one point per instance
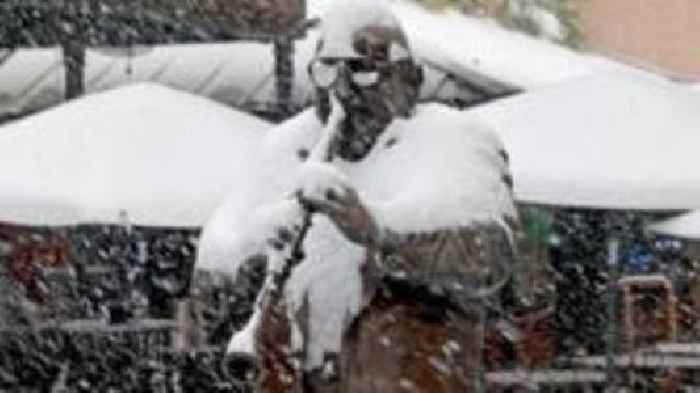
(466, 250)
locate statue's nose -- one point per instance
(343, 88)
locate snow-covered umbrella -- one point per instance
(487, 49)
(144, 153)
(685, 226)
(621, 140)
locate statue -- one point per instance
(384, 223)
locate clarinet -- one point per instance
(322, 152)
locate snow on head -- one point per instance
(342, 21)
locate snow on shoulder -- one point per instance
(162, 156)
(433, 171)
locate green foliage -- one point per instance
(537, 224)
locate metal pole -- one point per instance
(284, 73)
(72, 40)
(611, 334)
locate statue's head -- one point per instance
(364, 60)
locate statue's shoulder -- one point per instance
(440, 128)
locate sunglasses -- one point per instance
(324, 73)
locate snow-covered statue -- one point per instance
(383, 224)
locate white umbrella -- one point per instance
(147, 153)
(480, 46)
(685, 226)
(615, 141)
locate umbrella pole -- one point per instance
(611, 333)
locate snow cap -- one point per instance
(347, 19)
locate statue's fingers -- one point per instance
(328, 198)
(323, 206)
(349, 196)
(276, 244)
(332, 194)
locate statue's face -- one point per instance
(371, 87)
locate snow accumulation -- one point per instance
(270, 179)
(428, 173)
(685, 226)
(347, 17)
(621, 140)
(643, 279)
(159, 156)
(486, 48)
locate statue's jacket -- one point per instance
(400, 315)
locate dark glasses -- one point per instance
(325, 72)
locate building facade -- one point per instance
(661, 35)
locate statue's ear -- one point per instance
(322, 103)
(416, 82)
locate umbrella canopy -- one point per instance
(145, 153)
(615, 140)
(685, 226)
(487, 49)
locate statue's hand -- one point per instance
(325, 190)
